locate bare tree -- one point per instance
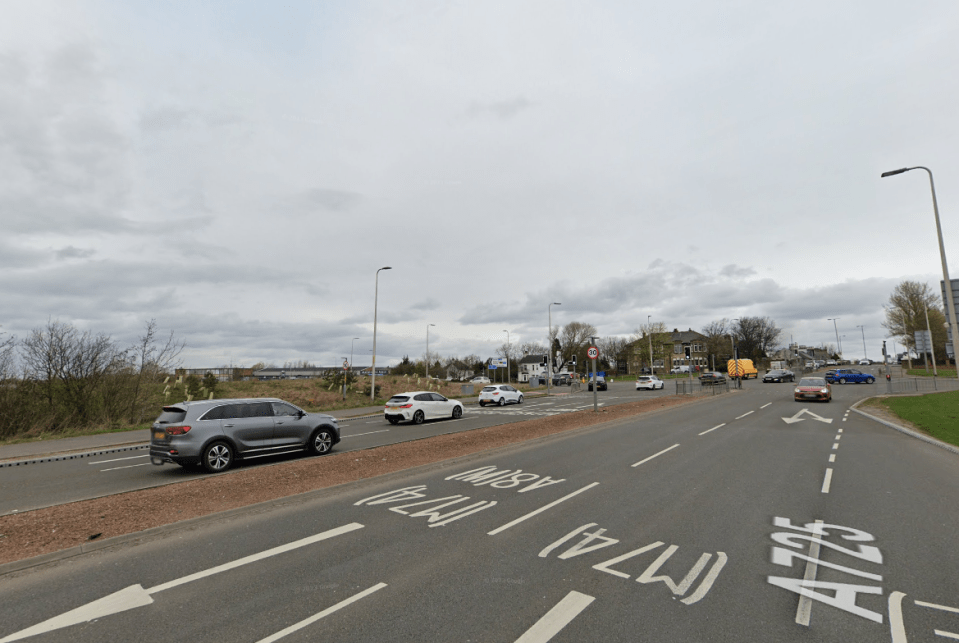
(655, 334)
(906, 313)
(151, 361)
(718, 338)
(574, 340)
(756, 337)
(613, 352)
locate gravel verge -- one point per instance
(52, 529)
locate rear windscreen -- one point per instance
(171, 415)
(487, 389)
(398, 399)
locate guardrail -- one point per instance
(921, 384)
(695, 387)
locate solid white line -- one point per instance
(832, 457)
(326, 612)
(827, 481)
(745, 414)
(540, 510)
(712, 429)
(937, 607)
(259, 556)
(946, 635)
(130, 466)
(557, 618)
(655, 455)
(765, 405)
(896, 627)
(368, 433)
(804, 609)
(132, 457)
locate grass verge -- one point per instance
(937, 413)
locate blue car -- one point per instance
(849, 376)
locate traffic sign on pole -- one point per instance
(592, 352)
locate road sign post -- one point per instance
(592, 353)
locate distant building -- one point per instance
(531, 365)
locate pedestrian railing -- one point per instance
(685, 386)
(921, 384)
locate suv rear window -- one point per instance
(171, 415)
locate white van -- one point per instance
(679, 369)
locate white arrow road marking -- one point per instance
(136, 596)
(557, 618)
(796, 417)
(326, 612)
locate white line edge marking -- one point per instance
(656, 455)
(369, 433)
(132, 457)
(557, 618)
(319, 615)
(708, 430)
(258, 556)
(804, 609)
(540, 510)
(946, 635)
(937, 607)
(896, 627)
(129, 466)
(765, 405)
(745, 414)
(827, 480)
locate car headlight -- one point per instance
(825, 390)
(796, 390)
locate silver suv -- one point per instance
(214, 433)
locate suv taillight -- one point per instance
(406, 406)
(177, 430)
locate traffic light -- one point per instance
(687, 352)
(574, 360)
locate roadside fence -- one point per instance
(686, 387)
(920, 384)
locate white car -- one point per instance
(864, 362)
(500, 394)
(418, 406)
(479, 380)
(649, 383)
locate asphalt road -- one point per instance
(56, 482)
(695, 524)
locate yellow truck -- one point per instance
(741, 368)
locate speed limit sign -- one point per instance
(592, 352)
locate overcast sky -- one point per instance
(240, 170)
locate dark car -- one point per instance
(600, 383)
(562, 379)
(779, 375)
(215, 433)
(712, 378)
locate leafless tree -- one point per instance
(574, 339)
(654, 333)
(151, 361)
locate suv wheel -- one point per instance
(842, 380)
(217, 457)
(321, 442)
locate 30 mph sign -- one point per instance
(592, 352)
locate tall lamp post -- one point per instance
(732, 341)
(351, 354)
(864, 356)
(428, 350)
(649, 332)
(942, 254)
(836, 328)
(549, 350)
(376, 297)
(507, 355)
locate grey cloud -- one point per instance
(503, 109)
(426, 304)
(71, 252)
(166, 118)
(733, 271)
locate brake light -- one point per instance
(495, 392)
(406, 406)
(178, 430)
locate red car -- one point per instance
(813, 388)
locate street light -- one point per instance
(351, 354)
(732, 341)
(428, 350)
(549, 351)
(507, 355)
(836, 328)
(860, 327)
(376, 296)
(942, 254)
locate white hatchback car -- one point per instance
(649, 383)
(500, 394)
(479, 379)
(418, 406)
